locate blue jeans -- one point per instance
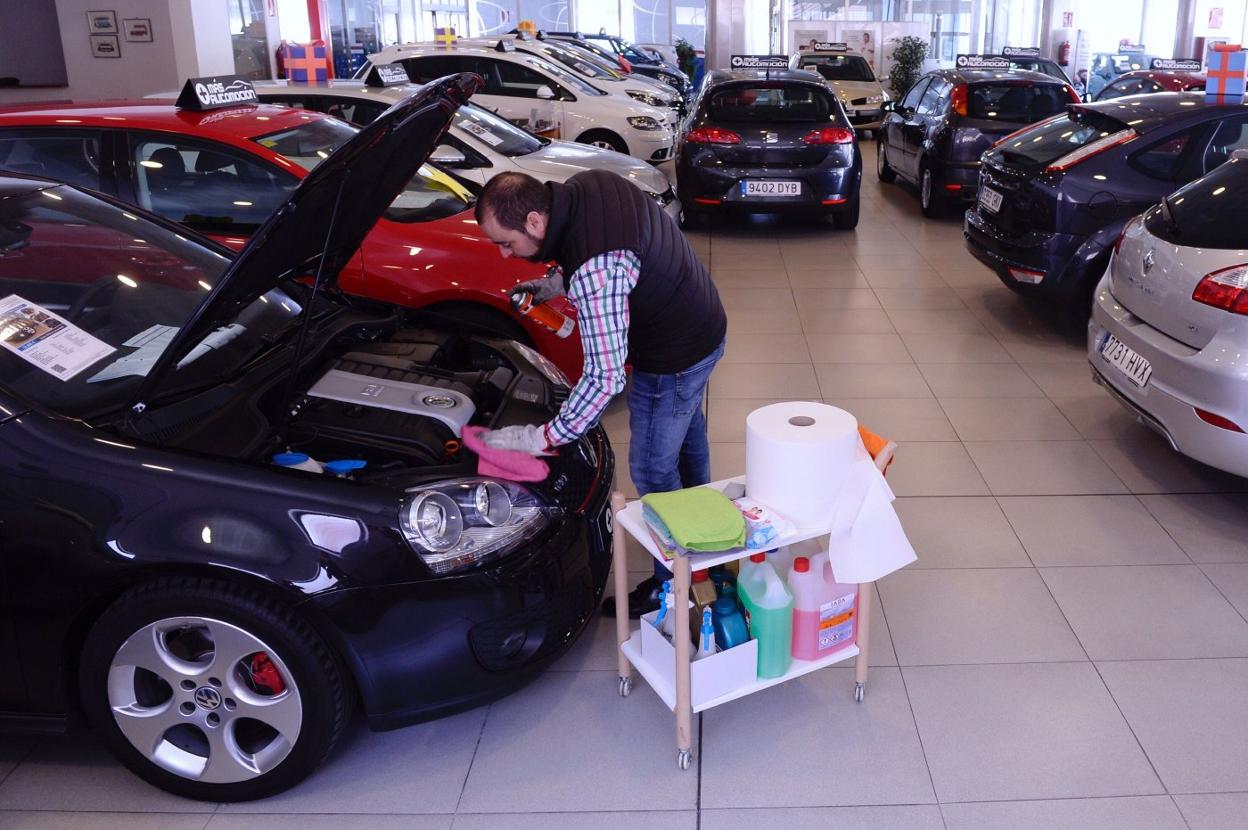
(669, 449)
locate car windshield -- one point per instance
(839, 67)
(430, 195)
(572, 80)
(1049, 140)
(1211, 212)
(1016, 103)
(91, 295)
(579, 63)
(769, 103)
(499, 134)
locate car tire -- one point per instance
(882, 169)
(604, 139)
(212, 691)
(494, 322)
(846, 219)
(931, 200)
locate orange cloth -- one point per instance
(881, 449)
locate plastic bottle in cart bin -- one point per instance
(824, 611)
(769, 612)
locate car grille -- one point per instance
(511, 642)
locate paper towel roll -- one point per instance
(797, 456)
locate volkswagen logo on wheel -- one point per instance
(207, 698)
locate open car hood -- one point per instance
(329, 213)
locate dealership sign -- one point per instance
(201, 94)
(387, 74)
(759, 62)
(982, 62)
(1177, 64)
(1021, 51)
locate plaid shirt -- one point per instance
(599, 289)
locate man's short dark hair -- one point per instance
(510, 197)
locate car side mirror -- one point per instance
(889, 106)
(545, 93)
(448, 155)
(1240, 154)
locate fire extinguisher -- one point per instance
(1063, 53)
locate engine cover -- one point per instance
(452, 408)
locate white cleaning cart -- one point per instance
(674, 685)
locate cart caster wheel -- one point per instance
(626, 686)
(860, 692)
(684, 758)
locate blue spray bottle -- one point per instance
(706, 645)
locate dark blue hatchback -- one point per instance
(777, 143)
(1054, 197)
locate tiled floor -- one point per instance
(1069, 651)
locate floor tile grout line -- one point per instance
(463, 788)
(25, 756)
(1179, 809)
(1131, 728)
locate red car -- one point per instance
(223, 172)
(1144, 81)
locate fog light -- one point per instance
(1026, 275)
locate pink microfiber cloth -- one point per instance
(508, 464)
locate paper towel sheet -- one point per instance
(867, 540)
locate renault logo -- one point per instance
(1148, 261)
(207, 697)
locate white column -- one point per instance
(202, 34)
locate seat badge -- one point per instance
(771, 138)
(1148, 261)
(371, 390)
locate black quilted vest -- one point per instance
(675, 316)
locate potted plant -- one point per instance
(907, 57)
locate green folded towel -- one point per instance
(700, 519)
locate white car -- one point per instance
(850, 77)
(478, 144)
(1169, 331)
(597, 72)
(542, 97)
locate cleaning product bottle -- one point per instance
(769, 612)
(661, 619)
(702, 591)
(824, 610)
(543, 313)
(782, 560)
(729, 624)
(706, 644)
(298, 461)
(669, 613)
(721, 576)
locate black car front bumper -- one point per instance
(421, 650)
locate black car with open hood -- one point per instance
(236, 501)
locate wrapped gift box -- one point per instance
(1227, 66)
(306, 61)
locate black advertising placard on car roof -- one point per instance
(1177, 64)
(203, 94)
(387, 74)
(982, 62)
(759, 62)
(1021, 51)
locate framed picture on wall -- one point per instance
(137, 29)
(102, 22)
(105, 46)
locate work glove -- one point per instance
(543, 290)
(528, 438)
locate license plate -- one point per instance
(770, 188)
(990, 199)
(1124, 359)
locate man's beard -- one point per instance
(537, 255)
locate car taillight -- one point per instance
(829, 135)
(1226, 289)
(712, 135)
(957, 100)
(1074, 96)
(1123, 235)
(1217, 420)
(1087, 151)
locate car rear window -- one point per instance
(1211, 212)
(1018, 103)
(769, 102)
(839, 67)
(1046, 142)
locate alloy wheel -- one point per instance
(925, 189)
(204, 699)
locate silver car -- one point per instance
(1169, 331)
(478, 144)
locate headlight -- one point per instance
(645, 98)
(543, 364)
(875, 99)
(456, 524)
(644, 122)
(670, 80)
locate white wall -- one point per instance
(189, 38)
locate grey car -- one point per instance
(1169, 331)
